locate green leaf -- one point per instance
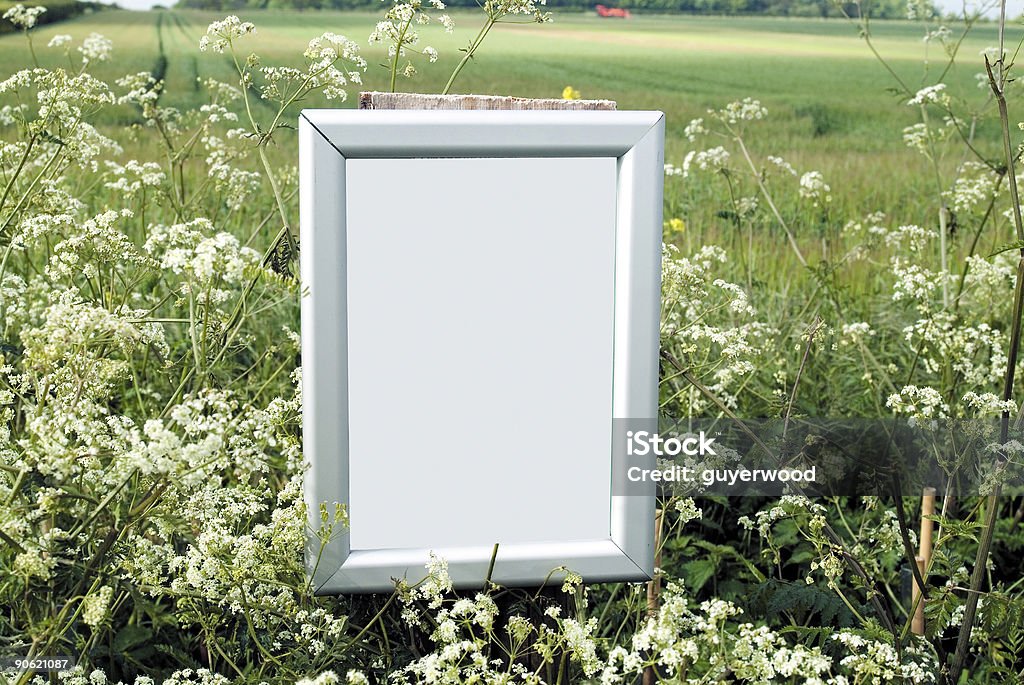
(1016, 245)
(698, 572)
(131, 636)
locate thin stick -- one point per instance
(927, 525)
(654, 586)
(923, 559)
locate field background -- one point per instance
(829, 100)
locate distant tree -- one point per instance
(878, 9)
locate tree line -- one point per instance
(880, 9)
(56, 10)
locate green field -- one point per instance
(828, 98)
(832, 105)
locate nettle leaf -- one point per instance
(810, 636)
(131, 636)
(805, 601)
(698, 572)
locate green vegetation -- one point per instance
(830, 102)
(151, 517)
(56, 10)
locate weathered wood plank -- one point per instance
(377, 100)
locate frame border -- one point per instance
(327, 138)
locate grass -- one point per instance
(830, 101)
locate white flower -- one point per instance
(917, 137)
(747, 109)
(856, 332)
(814, 188)
(940, 34)
(32, 564)
(24, 17)
(974, 187)
(688, 510)
(220, 34)
(931, 95)
(694, 128)
(134, 176)
(581, 644)
(715, 159)
(988, 403)
(95, 606)
(913, 237)
(95, 48)
(913, 282)
(919, 403)
(782, 164)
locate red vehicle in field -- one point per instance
(613, 12)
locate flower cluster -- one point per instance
(397, 29)
(814, 188)
(221, 34)
(24, 17)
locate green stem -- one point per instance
(469, 52)
(768, 198)
(398, 53)
(988, 529)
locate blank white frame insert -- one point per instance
(480, 300)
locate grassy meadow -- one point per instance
(832, 106)
(829, 100)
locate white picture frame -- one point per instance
(399, 336)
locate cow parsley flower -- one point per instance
(95, 607)
(914, 283)
(220, 34)
(134, 176)
(715, 159)
(920, 403)
(579, 639)
(695, 128)
(814, 188)
(95, 48)
(917, 137)
(782, 164)
(912, 237)
(974, 187)
(688, 510)
(747, 109)
(988, 404)
(32, 564)
(941, 34)
(931, 95)
(24, 17)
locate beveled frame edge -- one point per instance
(324, 328)
(326, 139)
(358, 134)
